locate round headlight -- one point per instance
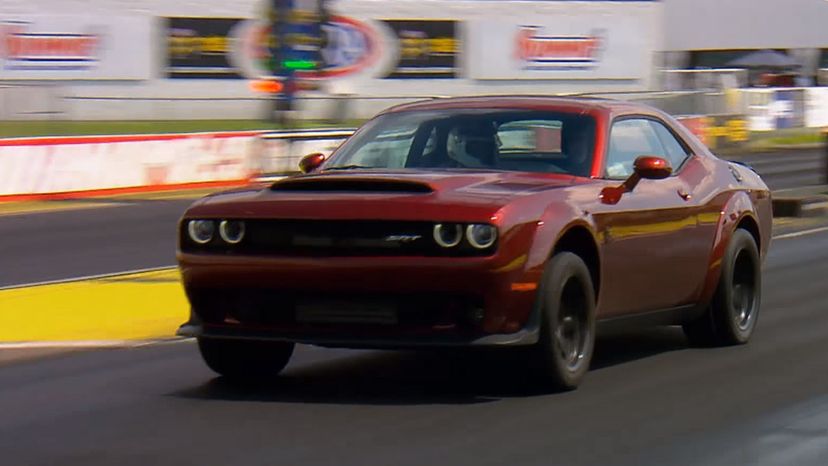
(201, 231)
(231, 231)
(448, 235)
(481, 236)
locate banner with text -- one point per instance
(426, 48)
(200, 47)
(75, 47)
(562, 46)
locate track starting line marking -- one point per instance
(108, 310)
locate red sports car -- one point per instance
(487, 221)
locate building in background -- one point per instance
(709, 34)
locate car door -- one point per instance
(655, 250)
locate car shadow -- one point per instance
(424, 377)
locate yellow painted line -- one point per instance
(168, 195)
(140, 306)
(33, 207)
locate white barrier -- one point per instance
(42, 166)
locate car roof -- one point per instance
(529, 102)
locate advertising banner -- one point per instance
(789, 108)
(71, 164)
(561, 46)
(222, 48)
(75, 47)
(760, 112)
(816, 107)
(726, 131)
(697, 125)
(213, 48)
(200, 48)
(426, 48)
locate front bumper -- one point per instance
(255, 298)
(523, 337)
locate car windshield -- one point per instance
(517, 140)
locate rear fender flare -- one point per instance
(737, 207)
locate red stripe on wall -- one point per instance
(63, 140)
(119, 191)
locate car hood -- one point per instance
(404, 195)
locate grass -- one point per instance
(80, 128)
(759, 141)
(785, 138)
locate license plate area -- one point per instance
(342, 311)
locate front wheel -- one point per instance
(734, 310)
(242, 359)
(567, 333)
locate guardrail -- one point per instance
(281, 150)
(788, 169)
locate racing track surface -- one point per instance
(649, 399)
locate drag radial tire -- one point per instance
(731, 317)
(245, 359)
(567, 325)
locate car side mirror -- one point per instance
(311, 162)
(648, 167)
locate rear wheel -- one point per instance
(241, 359)
(567, 333)
(734, 310)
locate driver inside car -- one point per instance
(472, 146)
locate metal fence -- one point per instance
(51, 101)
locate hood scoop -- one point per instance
(354, 185)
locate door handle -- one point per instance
(684, 195)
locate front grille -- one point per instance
(327, 238)
(284, 309)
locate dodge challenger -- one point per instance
(522, 222)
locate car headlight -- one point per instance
(448, 235)
(481, 236)
(231, 231)
(201, 231)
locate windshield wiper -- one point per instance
(347, 167)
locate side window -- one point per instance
(630, 139)
(535, 136)
(388, 150)
(675, 152)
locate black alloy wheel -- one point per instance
(732, 315)
(566, 300)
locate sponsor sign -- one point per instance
(697, 125)
(351, 47)
(426, 48)
(71, 164)
(563, 45)
(546, 52)
(75, 47)
(816, 108)
(725, 131)
(760, 112)
(199, 47)
(789, 108)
